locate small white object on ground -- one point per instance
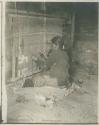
(43, 101)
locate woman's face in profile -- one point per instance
(55, 46)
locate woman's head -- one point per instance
(56, 42)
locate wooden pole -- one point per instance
(45, 31)
(13, 54)
(71, 48)
(72, 29)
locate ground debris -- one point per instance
(21, 99)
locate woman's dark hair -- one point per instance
(57, 40)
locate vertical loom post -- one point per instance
(13, 54)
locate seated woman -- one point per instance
(56, 71)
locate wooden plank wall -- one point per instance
(30, 33)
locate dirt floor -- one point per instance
(50, 105)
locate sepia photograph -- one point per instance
(51, 60)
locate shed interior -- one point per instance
(30, 26)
